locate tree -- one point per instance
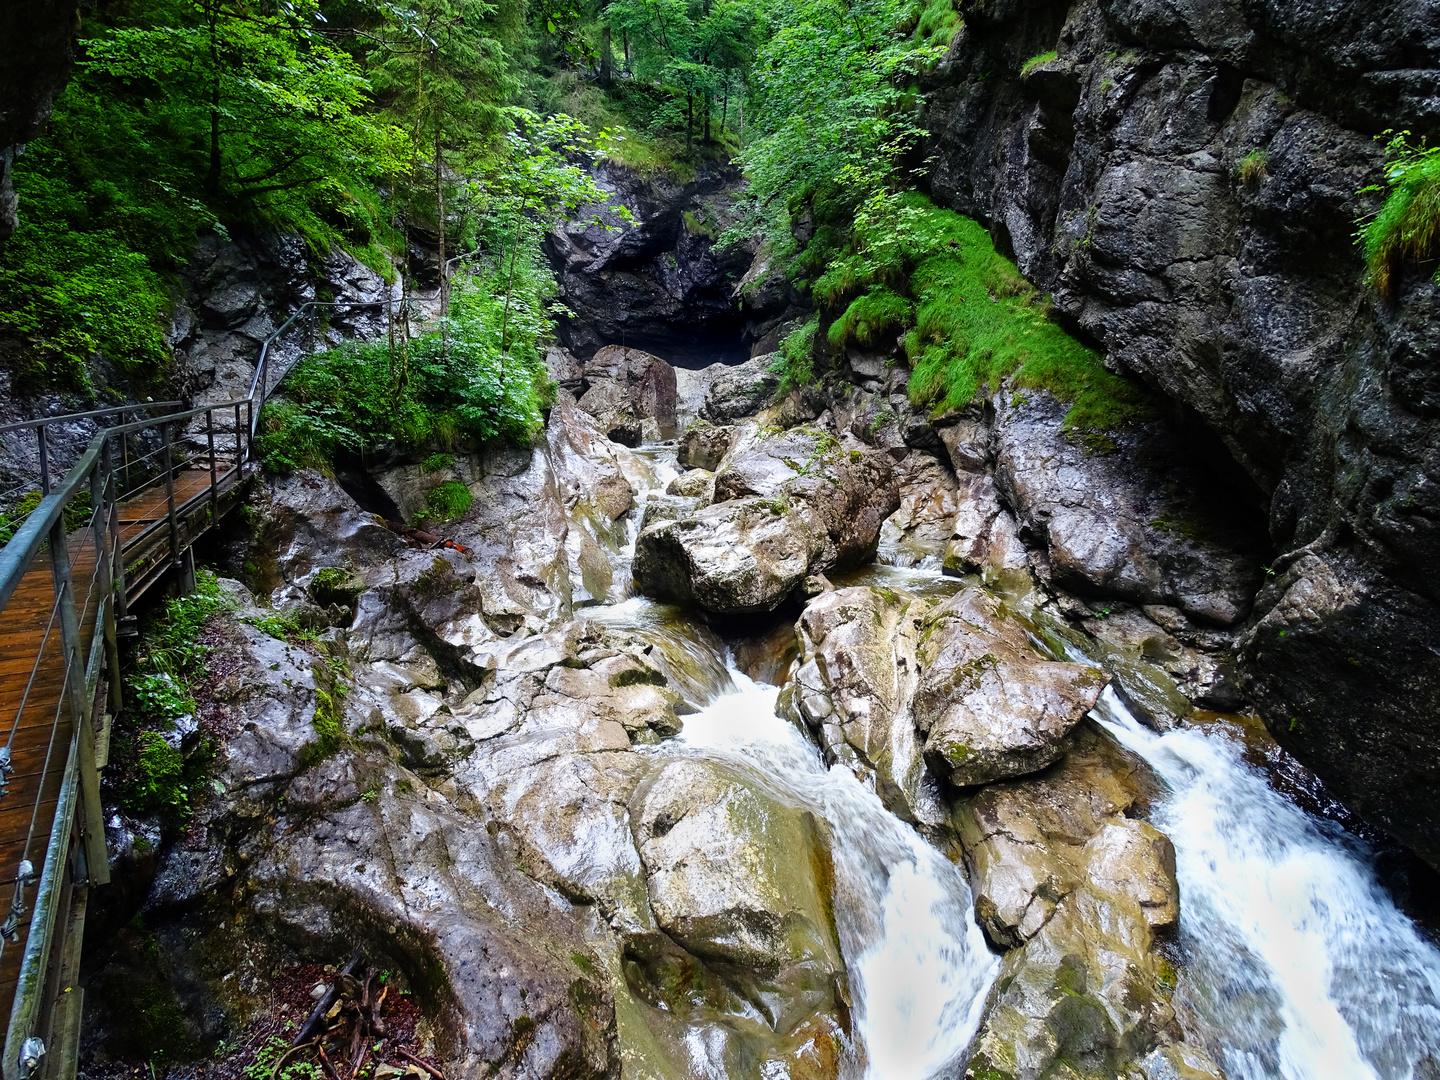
(277, 108)
(537, 185)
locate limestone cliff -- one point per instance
(1183, 177)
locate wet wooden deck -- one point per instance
(34, 713)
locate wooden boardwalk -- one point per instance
(35, 712)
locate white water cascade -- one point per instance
(1299, 964)
(919, 967)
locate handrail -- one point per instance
(262, 362)
(87, 415)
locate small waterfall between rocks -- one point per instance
(1298, 964)
(919, 966)
(1295, 963)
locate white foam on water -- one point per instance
(1303, 967)
(919, 967)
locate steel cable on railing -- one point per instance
(25, 872)
(7, 765)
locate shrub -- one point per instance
(1254, 167)
(795, 361)
(870, 317)
(158, 785)
(447, 387)
(1407, 227)
(447, 501)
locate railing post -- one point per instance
(214, 493)
(44, 460)
(122, 598)
(239, 458)
(82, 715)
(170, 496)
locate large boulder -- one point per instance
(989, 705)
(854, 688)
(631, 394)
(741, 391)
(738, 557)
(787, 505)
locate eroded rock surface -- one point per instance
(787, 505)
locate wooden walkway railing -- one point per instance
(122, 518)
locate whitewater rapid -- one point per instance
(1299, 964)
(919, 966)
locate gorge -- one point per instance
(981, 629)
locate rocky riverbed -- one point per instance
(664, 776)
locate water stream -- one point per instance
(1299, 964)
(1296, 963)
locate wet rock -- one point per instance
(1113, 528)
(693, 483)
(561, 365)
(918, 532)
(741, 391)
(1180, 1061)
(1024, 839)
(628, 385)
(737, 557)
(989, 705)
(732, 872)
(985, 537)
(787, 505)
(854, 687)
(1086, 990)
(703, 446)
(1135, 859)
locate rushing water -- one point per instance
(1299, 964)
(919, 967)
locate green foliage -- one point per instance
(1039, 60)
(158, 776)
(283, 626)
(269, 1056)
(11, 520)
(938, 22)
(870, 317)
(795, 361)
(449, 388)
(833, 115)
(1407, 227)
(1253, 167)
(976, 320)
(438, 463)
(159, 785)
(447, 502)
(329, 719)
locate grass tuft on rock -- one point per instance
(1038, 60)
(1407, 228)
(447, 502)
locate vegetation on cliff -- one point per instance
(1407, 228)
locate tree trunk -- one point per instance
(689, 119)
(444, 277)
(212, 177)
(724, 109)
(708, 140)
(605, 57)
(509, 289)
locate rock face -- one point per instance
(886, 677)
(787, 505)
(657, 282)
(1113, 174)
(1112, 529)
(740, 391)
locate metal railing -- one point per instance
(124, 515)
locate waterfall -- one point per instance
(919, 967)
(1299, 965)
